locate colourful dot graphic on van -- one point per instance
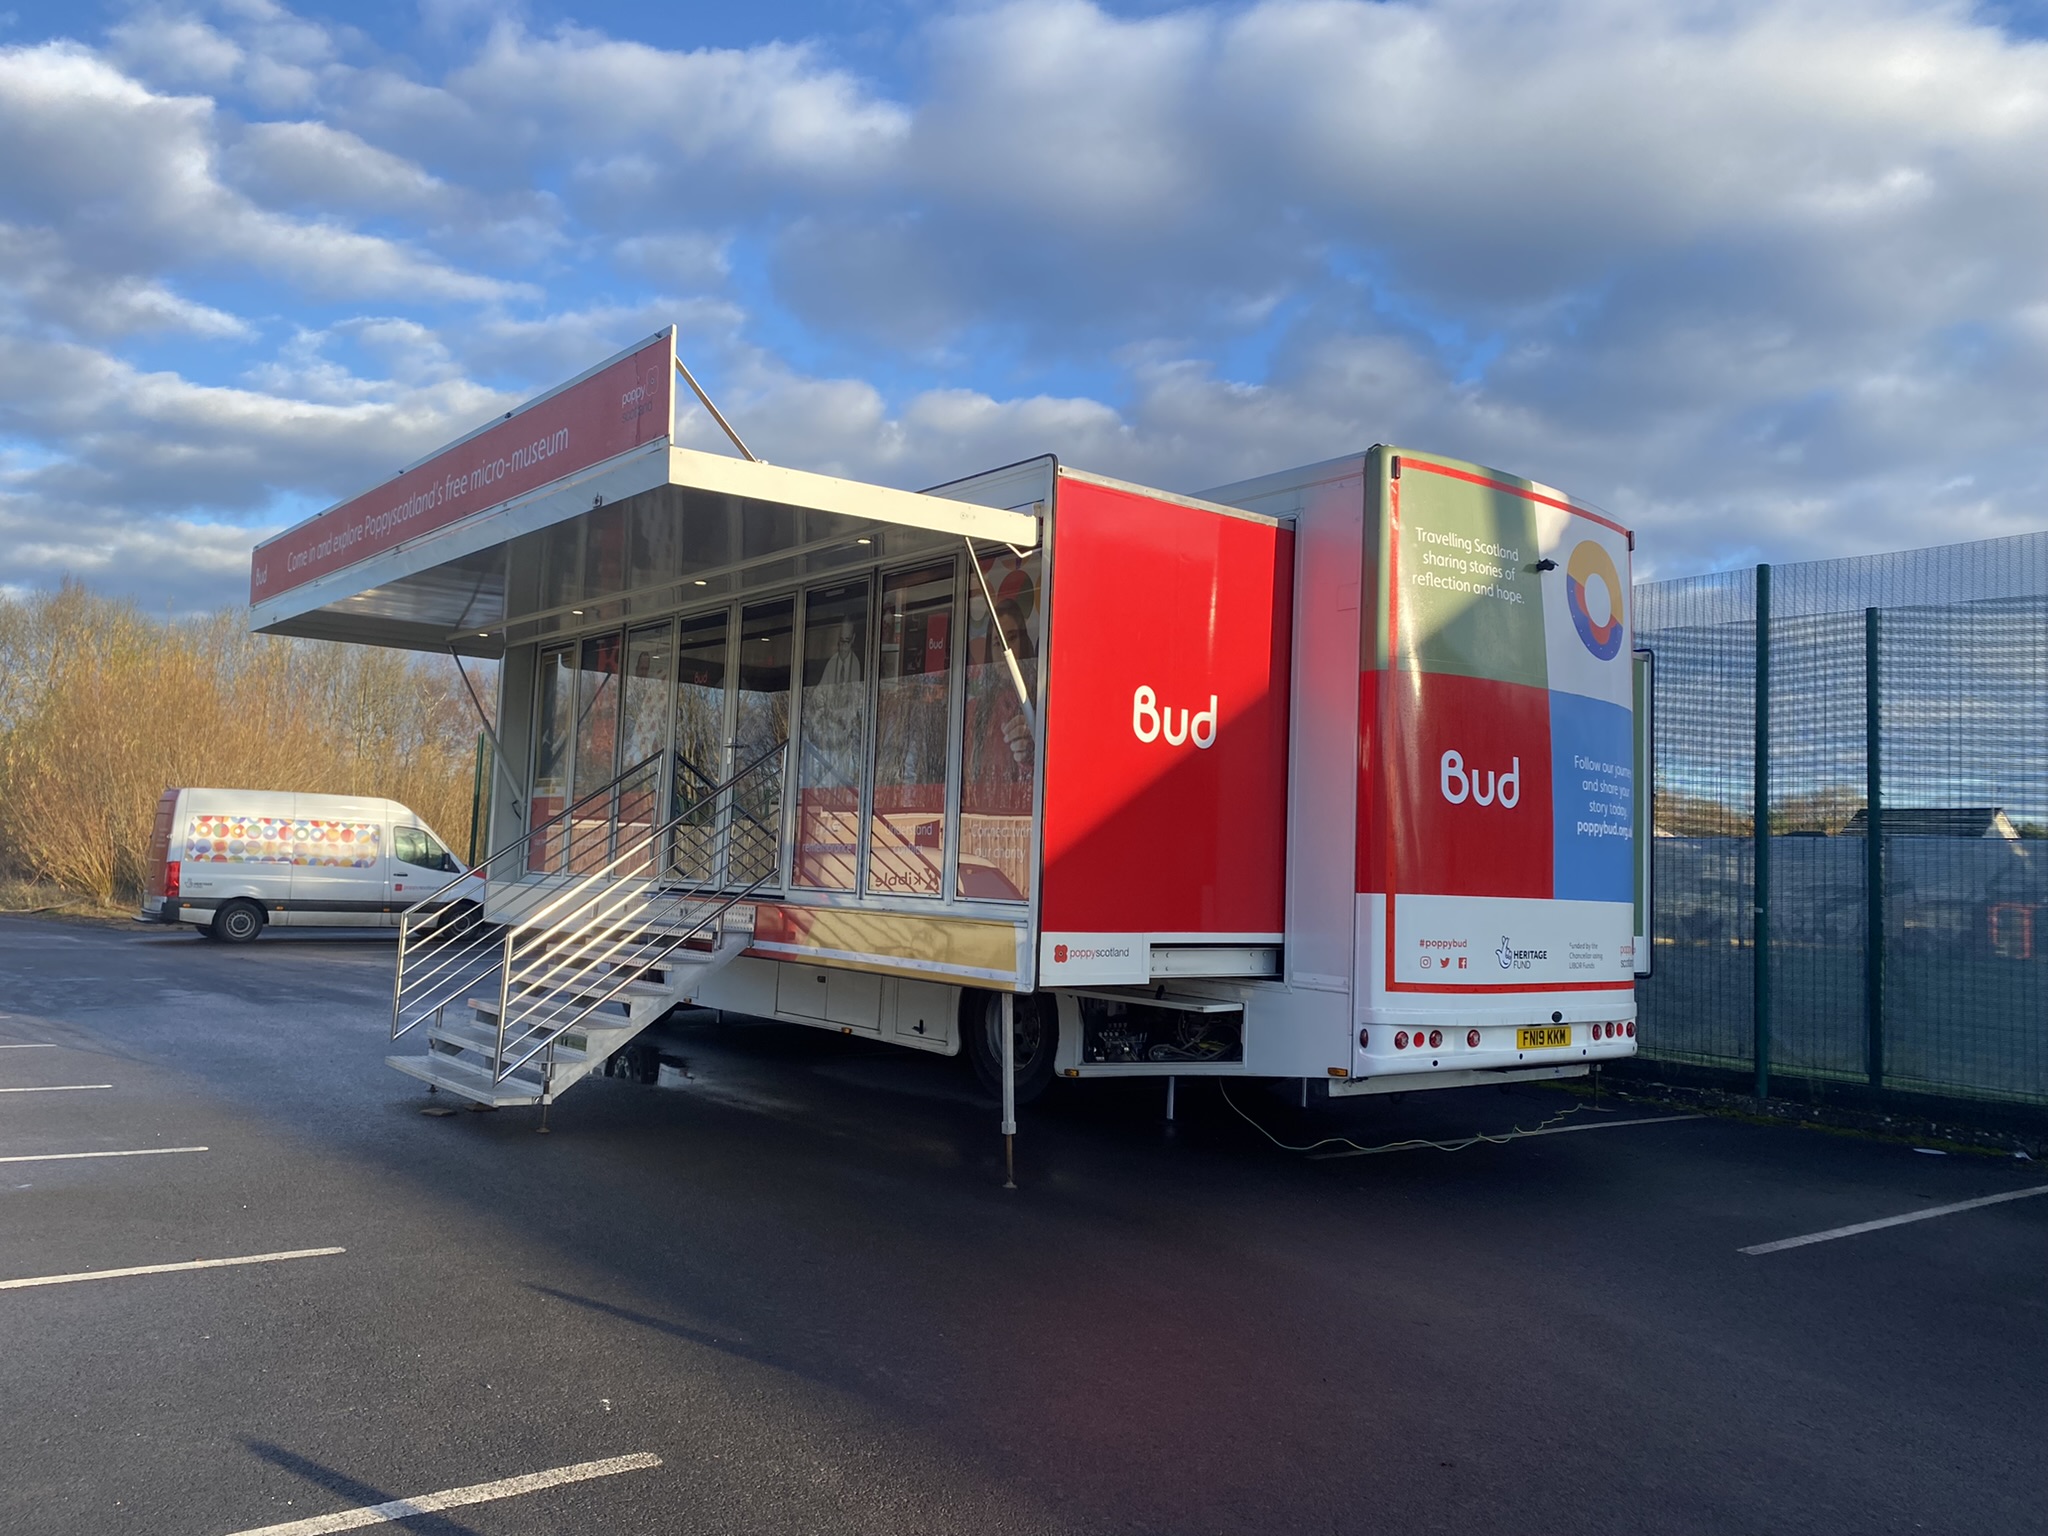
(1589, 563)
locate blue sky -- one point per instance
(1762, 279)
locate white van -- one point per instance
(232, 860)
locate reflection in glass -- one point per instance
(643, 734)
(700, 761)
(597, 740)
(762, 723)
(553, 694)
(913, 673)
(831, 763)
(998, 745)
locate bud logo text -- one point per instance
(1459, 783)
(1150, 720)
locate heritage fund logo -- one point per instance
(1513, 959)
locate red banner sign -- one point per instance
(622, 405)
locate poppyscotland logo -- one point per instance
(1590, 563)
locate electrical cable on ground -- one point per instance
(1475, 1139)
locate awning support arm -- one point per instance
(996, 624)
(497, 746)
(717, 415)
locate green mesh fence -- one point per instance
(1958, 710)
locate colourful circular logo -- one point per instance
(1590, 563)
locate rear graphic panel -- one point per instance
(1505, 783)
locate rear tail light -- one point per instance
(1472, 1038)
(1436, 1038)
(171, 878)
(1364, 1038)
(1401, 1040)
(1631, 1029)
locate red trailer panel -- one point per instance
(1166, 730)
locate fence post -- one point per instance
(1761, 833)
(1873, 855)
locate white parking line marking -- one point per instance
(455, 1498)
(1506, 1136)
(33, 1045)
(167, 1269)
(59, 1088)
(65, 1157)
(1896, 1221)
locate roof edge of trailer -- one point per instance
(1172, 498)
(1322, 472)
(1508, 480)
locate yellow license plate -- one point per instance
(1543, 1039)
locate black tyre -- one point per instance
(238, 922)
(463, 918)
(1038, 1040)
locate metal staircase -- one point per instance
(601, 922)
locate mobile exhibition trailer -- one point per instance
(1330, 775)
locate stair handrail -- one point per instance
(441, 945)
(562, 815)
(617, 929)
(601, 878)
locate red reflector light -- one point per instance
(1436, 1038)
(1401, 1040)
(1631, 1029)
(171, 878)
(1472, 1038)
(1364, 1038)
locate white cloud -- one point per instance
(1759, 275)
(113, 168)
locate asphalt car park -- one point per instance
(784, 1290)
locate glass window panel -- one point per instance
(913, 696)
(700, 760)
(767, 632)
(831, 765)
(643, 735)
(597, 740)
(997, 741)
(554, 698)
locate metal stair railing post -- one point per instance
(610, 918)
(504, 1008)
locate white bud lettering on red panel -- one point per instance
(1153, 721)
(1459, 783)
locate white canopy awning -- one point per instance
(643, 532)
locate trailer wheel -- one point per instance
(1038, 1040)
(238, 922)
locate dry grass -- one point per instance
(41, 898)
(102, 707)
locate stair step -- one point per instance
(472, 1035)
(470, 1082)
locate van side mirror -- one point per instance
(448, 864)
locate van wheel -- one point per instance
(238, 922)
(1038, 1040)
